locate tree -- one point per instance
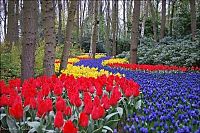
(135, 32)
(69, 27)
(59, 21)
(77, 22)
(28, 40)
(171, 20)
(5, 16)
(11, 26)
(16, 19)
(193, 18)
(154, 21)
(145, 7)
(94, 30)
(163, 21)
(124, 17)
(114, 27)
(107, 29)
(49, 36)
(82, 16)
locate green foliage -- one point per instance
(169, 51)
(123, 44)
(85, 45)
(182, 18)
(10, 62)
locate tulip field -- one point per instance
(104, 94)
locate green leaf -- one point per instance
(111, 122)
(138, 104)
(110, 115)
(32, 130)
(50, 131)
(2, 116)
(99, 130)
(12, 125)
(108, 128)
(26, 108)
(120, 111)
(34, 124)
(125, 106)
(3, 122)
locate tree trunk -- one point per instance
(168, 14)
(11, 27)
(145, 7)
(94, 30)
(114, 26)
(124, 17)
(59, 21)
(69, 27)
(107, 29)
(193, 18)
(163, 21)
(29, 40)
(21, 19)
(129, 12)
(154, 21)
(77, 22)
(16, 18)
(5, 16)
(81, 23)
(171, 20)
(135, 32)
(49, 37)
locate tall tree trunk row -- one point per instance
(163, 21)
(28, 40)
(193, 18)
(114, 27)
(69, 28)
(94, 30)
(50, 38)
(135, 32)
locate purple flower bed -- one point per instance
(170, 103)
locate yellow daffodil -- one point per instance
(114, 60)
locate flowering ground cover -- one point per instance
(81, 71)
(86, 56)
(66, 104)
(150, 67)
(89, 98)
(170, 101)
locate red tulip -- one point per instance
(16, 110)
(97, 112)
(105, 102)
(58, 121)
(69, 127)
(42, 108)
(60, 104)
(68, 111)
(4, 100)
(83, 120)
(88, 108)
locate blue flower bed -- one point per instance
(171, 101)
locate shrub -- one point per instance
(169, 51)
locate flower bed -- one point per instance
(170, 101)
(170, 104)
(151, 67)
(114, 60)
(86, 56)
(66, 103)
(70, 60)
(81, 71)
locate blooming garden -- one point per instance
(104, 95)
